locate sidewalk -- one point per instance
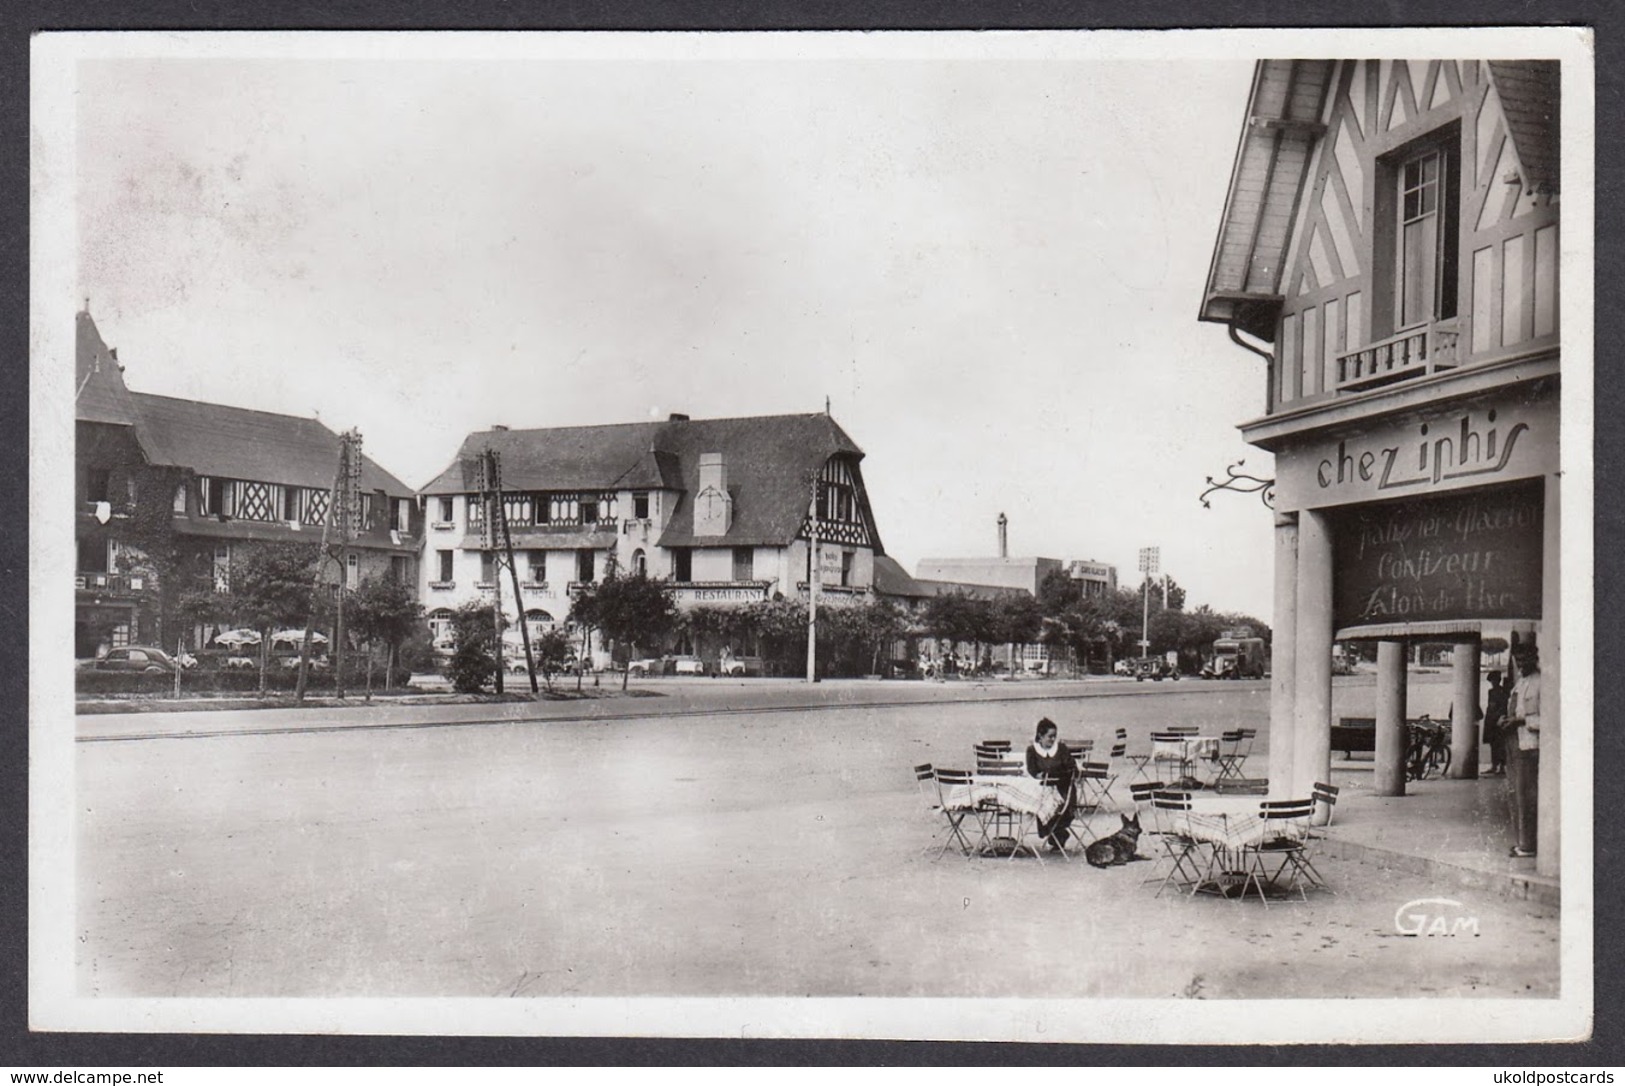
(1458, 831)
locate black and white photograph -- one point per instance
(1052, 536)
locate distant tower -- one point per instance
(1004, 536)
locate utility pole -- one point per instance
(499, 540)
(814, 561)
(350, 525)
(1150, 562)
(316, 587)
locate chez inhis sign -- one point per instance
(1446, 453)
(1461, 557)
(1427, 452)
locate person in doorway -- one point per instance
(1495, 711)
(1523, 748)
(1050, 759)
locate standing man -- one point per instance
(1495, 711)
(1523, 723)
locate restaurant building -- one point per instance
(207, 481)
(722, 508)
(1390, 247)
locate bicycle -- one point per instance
(1427, 749)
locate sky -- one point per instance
(989, 264)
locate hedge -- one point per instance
(200, 681)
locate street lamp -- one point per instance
(1150, 562)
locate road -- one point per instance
(754, 847)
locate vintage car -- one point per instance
(137, 658)
(1155, 668)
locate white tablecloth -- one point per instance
(1232, 822)
(1017, 793)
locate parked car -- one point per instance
(1153, 667)
(688, 665)
(137, 658)
(1123, 667)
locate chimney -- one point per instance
(1004, 536)
(713, 472)
(677, 417)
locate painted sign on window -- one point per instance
(1472, 555)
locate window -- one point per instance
(584, 566)
(440, 624)
(682, 559)
(222, 568)
(744, 563)
(403, 514)
(121, 635)
(847, 558)
(400, 569)
(178, 503)
(93, 556)
(640, 504)
(640, 563)
(517, 508)
(1426, 186)
(589, 510)
(366, 512)
(97, 483)
(476, 513)
(445, 566)
(488, 567)
(538, 567)
(447, 513)
(352, 570)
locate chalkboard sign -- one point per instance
(1460, 557)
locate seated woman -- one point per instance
(1048, 757)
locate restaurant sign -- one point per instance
(1426, 452)
(1457, 558)
(722, 592)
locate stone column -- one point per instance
(1389, 776)
(1548, 812)
(1312, 734)
(1464, 713)
(1283, 659)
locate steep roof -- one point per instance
(1272, 161)
(770, 462)
(100, 394)
(1245, 277)
(1530, 98)
(237, 443)
(211, 438)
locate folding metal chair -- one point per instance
(1179, 847)
(1234, 748)
(1327, 794)
(955, 804)
(1282, 844)
(1095, 781)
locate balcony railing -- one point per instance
(108, 582)
(1418, 352)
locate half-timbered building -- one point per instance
(721, 508)
(209, 480)
(1390, 246)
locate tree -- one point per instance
(853, 636)
(383, 610)
(270, 589)
(152, 548)
(476, 657)
(631, 611)
(550, 650)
